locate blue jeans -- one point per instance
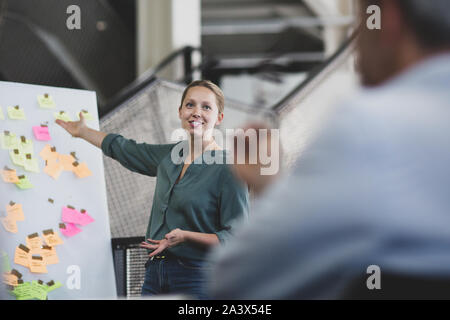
(173, 275)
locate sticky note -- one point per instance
(37, 265)
(24, 183)
(9, 140)
(86, 115)
(25, 145)
(62, 115)
(51, 238)
(39, 290)
(2, 117)
(23, 291)
(77, 217)
(16, 113)
(9, 224)
(15, 211)
(52, 285)
(53, 169)
(41, 133)
(17, 157)
(46, 101)
(49, 153)
(34, 241)
(69, 229)
(66, 160)
(22, 255)
(30, 164)
(81, 170)
(49, 255)
(9, 175)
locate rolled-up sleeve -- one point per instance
(142, 158)
(233, 207)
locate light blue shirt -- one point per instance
(373, 189)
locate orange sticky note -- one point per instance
(49, 255)
(54, 169)
(66, 160)
(52, 238)
(22, 256)
(34, 241)
(9, 224)
(37, 265)
(15, 211)
(81, 170)
(9, 175)
(49, 153)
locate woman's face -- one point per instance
(199, 111)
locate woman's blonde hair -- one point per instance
(220, 99)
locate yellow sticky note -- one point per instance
(66, 160)
(81, 170)
(37, 265)
(2, 117)
(46, 101)
(17, 157)
(9, 140)
(9, 175)
(25, 145)
(62, 115)
(9, 224)
(34, 241)
(52, 238)
(22, 255)
(16, 113)
(49, 153)
(15, 211)
(24, 183)
(31, 164)
(86, 115)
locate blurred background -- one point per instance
(286, 62)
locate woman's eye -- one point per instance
(189, 105)
(207, 107)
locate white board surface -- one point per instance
(85, 266)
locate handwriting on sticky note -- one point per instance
(26, 145)
(16, 113)
(49, 255)
(9, 175)
(22, 255)
(30, 164)
(9, 224)
(62, 115)
(34, 241)
(15, 211)
(53, 169)
(17, 157)
(51, 238)
(41, 133)
(37, 265)
(24, 183)
(9, 140)
(81, 170)
(69, 229)
(46, 101)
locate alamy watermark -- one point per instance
(73, 21)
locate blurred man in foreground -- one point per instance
(368, 201)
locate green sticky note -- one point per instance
(62, 115)
(24, 183)
(6, 266)
(53, 285)
(46, 101)
(31, 164)
(39, 291)
(16, 113)
(86, 115)
(9, 140)
(2, 117)
(27, 146)
(24, 291)
(17, 157)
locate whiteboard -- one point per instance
(85, 267)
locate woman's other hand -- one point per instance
(75, 128)
(175, 237)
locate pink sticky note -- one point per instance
(69, 229)
(41, 133)
(85, 218)
(70, 215)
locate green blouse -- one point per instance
(208, 199)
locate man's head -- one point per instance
(411, 30)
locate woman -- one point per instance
(195, 204)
